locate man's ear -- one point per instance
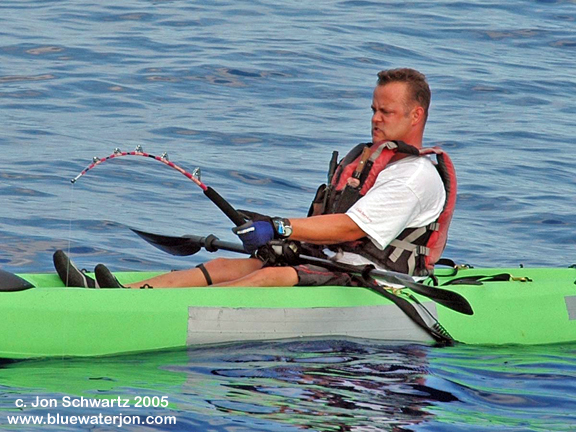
(418, 115)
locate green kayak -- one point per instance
(50, 320)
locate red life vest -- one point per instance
(415, 250)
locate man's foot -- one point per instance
(105, 277)
(70, 274)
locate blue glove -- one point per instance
(255, 234)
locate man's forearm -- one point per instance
(326, 229)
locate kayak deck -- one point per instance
(539, 311)
(52, 320)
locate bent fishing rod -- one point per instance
(210, 193)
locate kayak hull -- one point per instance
(52, 320)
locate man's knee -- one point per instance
(222, 270)
(274, 276)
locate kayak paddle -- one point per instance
(191, 244)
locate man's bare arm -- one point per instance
(326, 229)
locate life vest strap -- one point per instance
(390, 145)
(402, 245)
(399, 246)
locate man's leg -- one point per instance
(221, 270)
(266, 277)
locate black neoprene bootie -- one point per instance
(69, 273)
(105, 278)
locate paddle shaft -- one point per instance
(212, 244)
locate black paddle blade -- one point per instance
(189, 244)
(11, 282)
(450, 299)
(180, 246)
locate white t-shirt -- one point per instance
(409, 193)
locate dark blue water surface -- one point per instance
(258, 94)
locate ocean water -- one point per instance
(258, 94)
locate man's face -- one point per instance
(392, 114)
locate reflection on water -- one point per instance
(318, 385)
(321, 385)
(330, 385)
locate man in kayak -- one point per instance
(382, 207)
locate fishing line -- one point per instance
(70, 215)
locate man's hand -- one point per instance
(255, 234)
(259, 229)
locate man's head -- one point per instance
(400, 106)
